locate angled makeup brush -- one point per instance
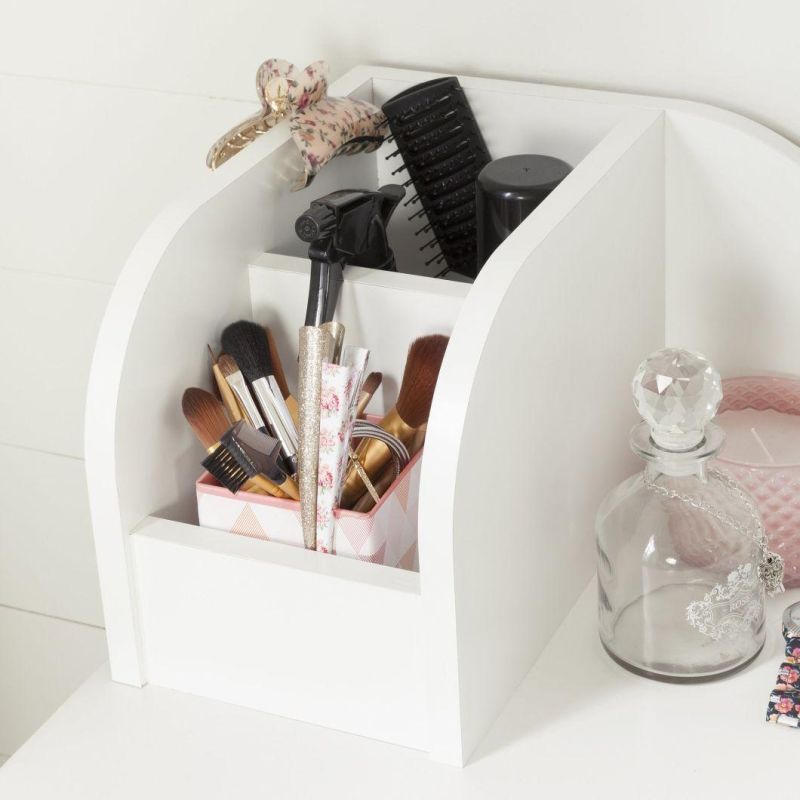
(225, 392)
(238, 385)
(207, 418)
(246, 342)
(247, 454)
(368, 389)
(410, 413)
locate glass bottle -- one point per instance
(682, 559)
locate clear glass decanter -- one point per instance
(682, 558)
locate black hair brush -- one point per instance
(443, 150)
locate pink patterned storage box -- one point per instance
(386, 535)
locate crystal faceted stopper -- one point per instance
(677, 393)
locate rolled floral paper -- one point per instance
(340, 386)
(316, 347)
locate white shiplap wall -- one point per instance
(86, 167)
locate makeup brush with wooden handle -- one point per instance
(280, 377)
(238, 385)
(246, 342)
(411, 412)
(206, 416)
(225, 391)
(368, 389)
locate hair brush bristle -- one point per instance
(419, 379)
(247, 343)
(205, 414)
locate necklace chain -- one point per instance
(770, 568)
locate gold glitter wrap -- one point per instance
(374, 456)
(316, 346)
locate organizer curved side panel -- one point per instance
(186, 277)
(529, 424)
(732, 244)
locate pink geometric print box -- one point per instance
(385, 535)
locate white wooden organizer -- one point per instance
(677, 225)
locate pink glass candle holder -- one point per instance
(761, 419)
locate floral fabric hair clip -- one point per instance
(322, 127)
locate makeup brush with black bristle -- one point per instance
(206, 416)
(246, 342)
(247, 454)
(409, 414)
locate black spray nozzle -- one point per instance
(345, 227)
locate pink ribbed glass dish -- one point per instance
(776, 488)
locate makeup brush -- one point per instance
(280, 377)
(411, 411)
(206, 416)
(225, 392)
(245, 453)
(246, 342)
(238, 385)
(277, 366)
(368, 389)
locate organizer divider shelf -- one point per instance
(660, 233)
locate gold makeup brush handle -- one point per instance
(289, 488)
(374, 455)
(267, 485)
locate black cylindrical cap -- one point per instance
(508, 189)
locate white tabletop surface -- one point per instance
(578, 724)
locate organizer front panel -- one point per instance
(334, 642)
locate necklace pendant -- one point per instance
(770, 570)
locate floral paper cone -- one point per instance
(339, 386)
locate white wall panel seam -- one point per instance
(61, 275)
(51, 616)
(124, 87)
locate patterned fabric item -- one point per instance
(784, 702)
(333, 127)
(339, 387)
(321, 127)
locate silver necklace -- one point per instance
(770, 565)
